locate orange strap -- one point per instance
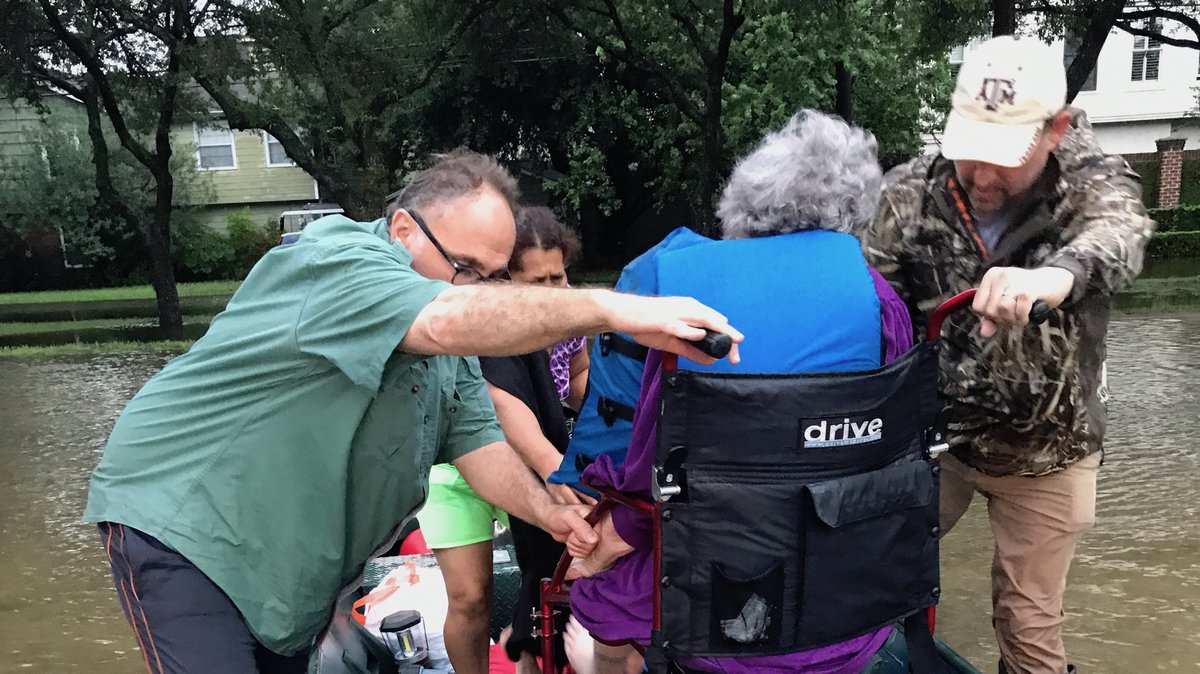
(964, 215)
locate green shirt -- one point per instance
(293, 439)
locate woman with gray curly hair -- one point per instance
(817, 172)
(790, 273)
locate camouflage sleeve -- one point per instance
(1111, 228)
(882, 245)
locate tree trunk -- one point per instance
(358, 204)
(845, 92)
(156, 237)
(711, 167)
(158, 231)
(162, 277)
(713, 162)
(1103, 17)
(634, 199)
(162, 260)
(1004, 17)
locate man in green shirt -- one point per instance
(251, 479)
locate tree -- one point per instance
(1137, 13)
(1092, 30)
(121, 59)
(57, 187)
(624, 106)
(714, 75)
(678, 50)
(536, 95)
(1004, 17)
(333, 82)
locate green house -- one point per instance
(246, 171)
(21, 122)
(33, 257)
(236, 171)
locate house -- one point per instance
(1141, 99)
(240, 171)
(36, 257)
(20, 123)
(1141, 92)
(236, 171)
(245, 171)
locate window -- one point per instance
(1070, 49)
(956, 59)
(214, 147)
(276, 155)
(1146, 52)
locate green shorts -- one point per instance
(454, 515)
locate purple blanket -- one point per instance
(616, 605)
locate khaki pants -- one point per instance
(1036, 522)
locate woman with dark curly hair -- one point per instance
(544, 250)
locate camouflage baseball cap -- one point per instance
(1007, 89)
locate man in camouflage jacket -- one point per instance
(1023, 205)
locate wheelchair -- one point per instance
(789, 512)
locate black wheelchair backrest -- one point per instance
(799, 510)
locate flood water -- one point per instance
(1133, 603)
(58, 611)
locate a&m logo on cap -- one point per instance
(996, 92)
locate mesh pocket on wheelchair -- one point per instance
(737, 591)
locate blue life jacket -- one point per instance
(805, 301)
(615, 374)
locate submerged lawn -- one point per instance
(122, 293)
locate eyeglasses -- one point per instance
(467, 273)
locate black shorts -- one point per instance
(184, 623)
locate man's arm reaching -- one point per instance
(500, 320)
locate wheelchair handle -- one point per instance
(715, 344)
(1038, 313)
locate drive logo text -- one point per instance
(841, 432)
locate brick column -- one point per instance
(1170, 170)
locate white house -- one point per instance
(1143, 91)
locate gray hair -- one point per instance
(817, 172)
(453, 175)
